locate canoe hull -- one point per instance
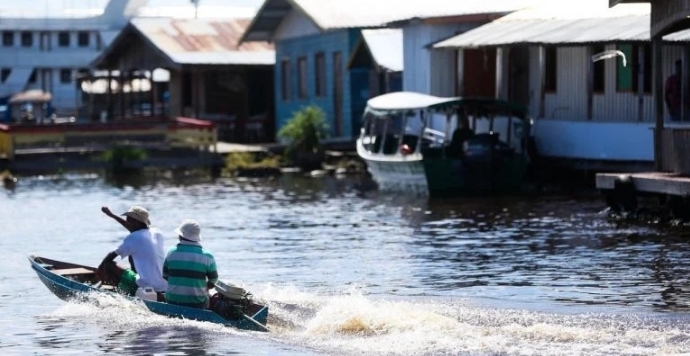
(69, 289)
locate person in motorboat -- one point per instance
(145, 246)
(189, 269)
(157, 233)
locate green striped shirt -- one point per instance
(188, 268)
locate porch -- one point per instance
(189, 68)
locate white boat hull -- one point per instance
(397, 173)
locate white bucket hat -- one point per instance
(139, 214)
(189, 230)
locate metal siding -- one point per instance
(569, 103)
(291, 49)
(419, 59)
(416, 59)
(570, 99)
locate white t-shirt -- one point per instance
(147, 248)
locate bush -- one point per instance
(305, 130)
(118, 157)
(247, 160)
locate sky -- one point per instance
(67, 8)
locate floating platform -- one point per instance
(648, 182)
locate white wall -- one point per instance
(569, 102)
(614, 133)
(429, 71)
(20, 59)
(295, 25)
(615, 141)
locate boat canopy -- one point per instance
(399, 102)
(405, 100)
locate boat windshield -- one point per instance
(387, 133)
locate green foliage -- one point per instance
(118, 157)
(247, 160)
(305, 130)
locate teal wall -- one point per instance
(354, 84)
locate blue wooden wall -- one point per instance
(309, 46)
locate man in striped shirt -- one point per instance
(189, 269)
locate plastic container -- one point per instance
(146, 293)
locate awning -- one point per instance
(17, 80)
(34, 96)
(560, 24)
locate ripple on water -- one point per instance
(352, 272)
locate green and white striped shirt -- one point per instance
(188, 268)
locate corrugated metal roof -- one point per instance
(575, 22)
(386, 47)
(205, 41)
(332, 14)
(338, 14)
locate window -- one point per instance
(83, 39)
(187, 89)
(63, 39)
(302, 77)
(4, 73)
(8, 39)
(65, 76)
(550, 69)
(599, 71)
(320, 69)
(285, 79)
(27, 39)
(32, 77)
(624, 74)
(627, 77)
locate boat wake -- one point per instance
(353, 323)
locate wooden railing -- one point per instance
(179, 132)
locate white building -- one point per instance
(47, 53)
(595, 114)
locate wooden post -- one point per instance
(154, 95)
(658, 101)
(196, 95)
(542, 81)
(590, 83)
(499, 72)
(685, 86)
(109, 99)
(640, 81)
(121, 92)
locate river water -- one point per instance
(348, 271)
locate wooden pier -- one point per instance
(648, 182)
(174, 143)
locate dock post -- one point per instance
(658, 101)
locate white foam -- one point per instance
(355, 323)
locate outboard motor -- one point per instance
(230, 301)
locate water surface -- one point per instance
(352, 272)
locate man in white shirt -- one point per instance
(146, 251)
